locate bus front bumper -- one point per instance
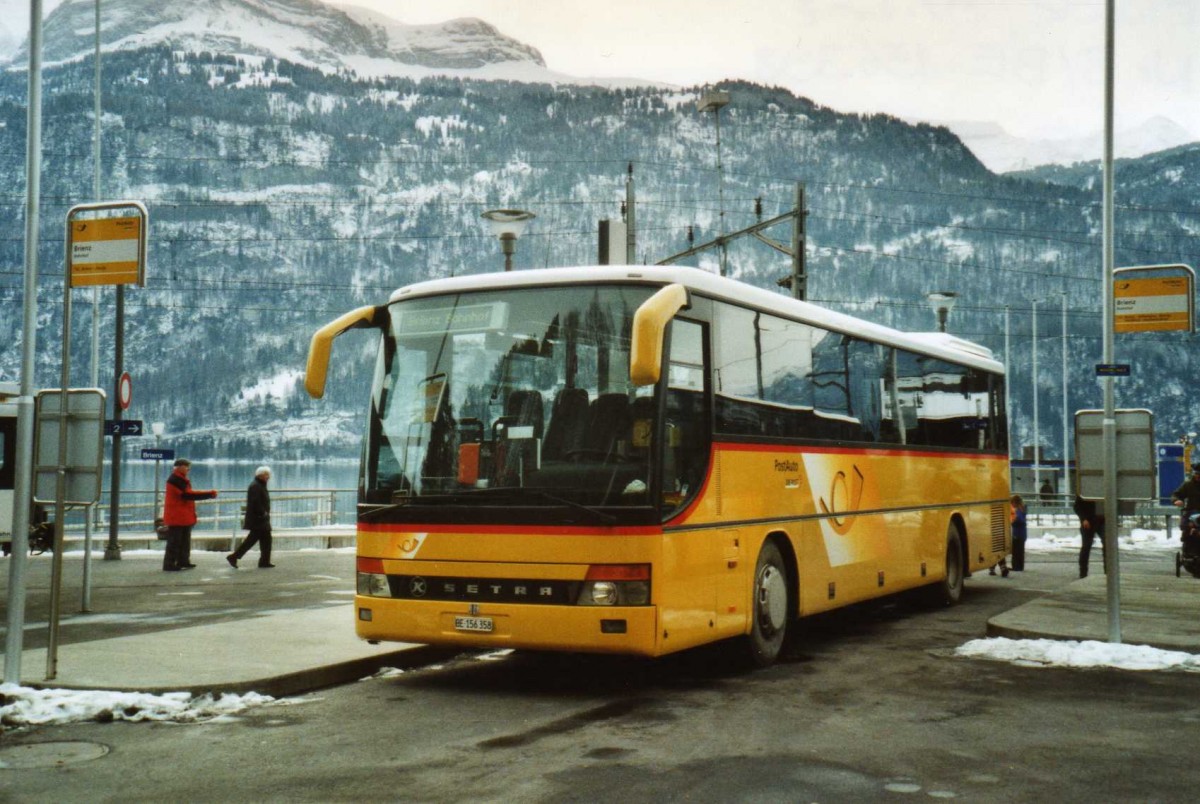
(585, 629)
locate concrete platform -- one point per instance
(1158, 610)
(278, 653)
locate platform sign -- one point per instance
(1135, 468)
(107, 251)
(123, 427)
(1160, 303)
(156, 454)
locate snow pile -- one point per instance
(1137, 540)
(1085, 654)
(25, 706)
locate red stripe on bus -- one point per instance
(729, 446)
(525, 530)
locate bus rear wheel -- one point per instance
(949, 591)
(770, 607)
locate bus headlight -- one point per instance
(372, 581)
(616, 585)
(372, 584)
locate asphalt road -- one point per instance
(869, 705)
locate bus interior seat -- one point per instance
(522, 409)
(568, 424)
(609, 422)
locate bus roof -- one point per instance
(934, 344)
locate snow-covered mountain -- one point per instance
(302, 31)
(1003, 152)
(308, 32)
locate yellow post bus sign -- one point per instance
(1153, 304)
(107, 251)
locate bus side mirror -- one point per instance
(649, 327)
(322, 344)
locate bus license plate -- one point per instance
(481, 624)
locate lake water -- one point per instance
(140, 479)
(143, 476)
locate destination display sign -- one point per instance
(106, 251)
(1152, 305)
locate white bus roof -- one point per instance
(934, 344)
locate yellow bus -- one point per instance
(640, 460)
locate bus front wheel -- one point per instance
(771, 608)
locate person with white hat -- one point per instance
(257, 520)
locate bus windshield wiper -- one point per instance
(607, 519)
(465, 495)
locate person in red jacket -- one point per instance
(179, 515)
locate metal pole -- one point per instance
(630, 219)
(1007, 376)
(1066, 431)
(721, 194)
(86, 601)
(23, 482)
(157, 475)
(60, 481)
(1037, 441)
(112, 550)
(799, 242)
(1109, 431)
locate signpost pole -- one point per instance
(14, 638)
(1109, 435)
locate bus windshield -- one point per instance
(510, 397)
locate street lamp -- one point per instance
(508, 225)
(713, 101)
(157, 428)
(942, 302)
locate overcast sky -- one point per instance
(1034, 66)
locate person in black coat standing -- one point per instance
(1091, 525)
(257, 521)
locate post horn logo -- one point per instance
(844, 498)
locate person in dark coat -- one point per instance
(257, 521)
(1187, 499)
(1091, 525)
(179, 515)
(1019, 532)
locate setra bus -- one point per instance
(640, 460)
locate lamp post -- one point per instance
(1066, 440)
(942, 302)
(158, 428)
(713, 101)
(508, 225)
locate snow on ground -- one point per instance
(1086, 654)
(25, 706)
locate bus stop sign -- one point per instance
(1135, 454)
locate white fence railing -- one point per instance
(290, 508)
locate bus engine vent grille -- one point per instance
(999, 527)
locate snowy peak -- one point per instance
(458, 44)
(304, 31)
(1002, 152)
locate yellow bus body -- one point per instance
(857, 523)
